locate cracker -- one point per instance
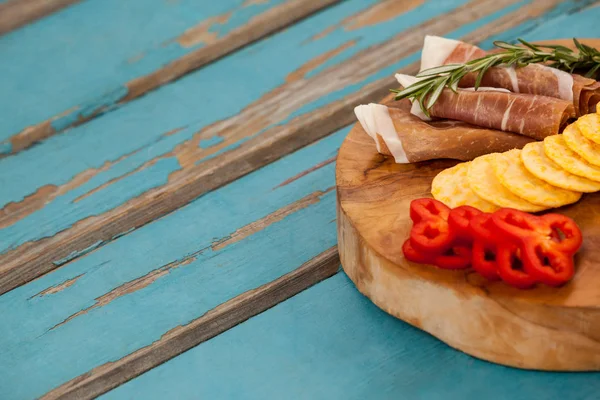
(557, 150)
(589, 126)
(539, 165)
(451, 187)
(513, 175)
(581, 145)
(482, 180)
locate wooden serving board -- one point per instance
(541, 328)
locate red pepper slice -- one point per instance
(548, 265)
(413, 255)
(482, 228)
(556, 231)
(566, 235)
(431, 236)
(484, 260)
(426, 209)
(459, 219)
(457, 257)
(511, 267)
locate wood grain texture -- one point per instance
(144, 297)
(543, 328)
(223, 317)
(44, 225)
(16, 13)
(142, 63)
(330, 342)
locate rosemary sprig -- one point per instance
(427, 90)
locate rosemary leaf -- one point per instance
(428, 90)
(439, 70)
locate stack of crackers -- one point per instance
(542, 175)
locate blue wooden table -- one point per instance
(168, 224)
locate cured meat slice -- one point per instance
(409, 139)
(538, 79)
(530, 115)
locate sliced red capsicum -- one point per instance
(547, 243)
(427, 209)
(431, 236)
(459, 220)
(511, 266)
(456, 257)
(484, 246)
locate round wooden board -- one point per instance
(542, 328)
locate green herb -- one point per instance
(427, 90)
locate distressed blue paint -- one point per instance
(62, 213)
(465, 29)
(32, 352)
(78, 253)
(385, 30)
(142, 124)
(213, 141)
(583, 24)
(330, 342)
(564, 21)
(6, 148)
(75, 56)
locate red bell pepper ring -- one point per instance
(459, 220)
(415, 256)
(555, 230)
(484, 246)
(427, 209)
(484, 260)
(548, 243)
(431, 236)
(547, 265)
(457, 257)
(511, 267)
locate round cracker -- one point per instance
(513, 175)
(589, 126)
(451, 187)
(539, 165)
(557, 150)
(581, 145)
(482, 180)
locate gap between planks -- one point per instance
(34, 259)
(261, 26)
(16, 13)
(223, 317)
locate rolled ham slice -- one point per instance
(398, 133)
(526, 114)
(537, 79)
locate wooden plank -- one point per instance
(164, 161)
(330, 342)
(214, 322)
(16, 13)
(150, 293)
(165, 40)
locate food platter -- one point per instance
(541, 328)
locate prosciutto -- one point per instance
(535, 79)
(399, 133)
(530, 115)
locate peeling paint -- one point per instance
(264, 222)
(58, 288)
(316, 62)
(128, 288)
(202, 33)
(210, 142)
(304, 173)
(77, 253)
